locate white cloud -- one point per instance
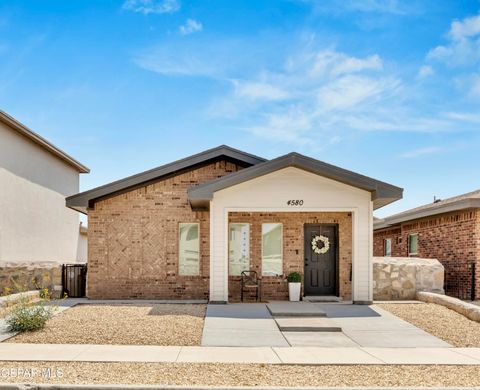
(336, 64)
(462, 116)
(463, 47)
(351, 91)
(394, 7)
(475, 85)
(258, 91)
(191, 26)
(425, 71)
(152, 6)
(468, 27)
(422, 152)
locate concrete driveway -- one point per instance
(253, 325)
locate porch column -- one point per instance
(218, 254)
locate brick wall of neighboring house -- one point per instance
(452, 238)
(133, 240)
(275, 287)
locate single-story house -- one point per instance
(37, 231)
(447, 230)
(186, 230)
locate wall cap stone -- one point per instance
(10, 300)
(469, 310)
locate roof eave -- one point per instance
(38, 139)
(85, 199)
(381, 193)
(441, 209)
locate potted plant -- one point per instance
(294, 285)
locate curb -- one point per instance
(13, 386)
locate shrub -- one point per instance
(294, 277)
(29, 316)
(7, 291)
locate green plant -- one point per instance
(29, 316)
(294, 277)
(7, 291)
(45, 293)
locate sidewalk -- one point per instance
(267, 355)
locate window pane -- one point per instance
(272, 249)
(413, 244)
(239, 248)
(189, 253)
(388, 247)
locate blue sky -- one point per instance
(390, 89)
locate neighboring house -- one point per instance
(447, 230)
(35, 177)
(189, 228)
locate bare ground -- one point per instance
(246, 374)
(439, 321)
(162, 324)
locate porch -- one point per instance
(317, 245)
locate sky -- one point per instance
(389, 89)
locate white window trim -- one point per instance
(412, 254)
(281, 243)
(178, 248)
(385, 247)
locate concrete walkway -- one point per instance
(266, 355)
(241, 325)
(344, 325)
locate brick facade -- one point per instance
(275, 287)
(133, 242)
(133, 239)
(452, 238)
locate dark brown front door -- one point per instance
(321, 262)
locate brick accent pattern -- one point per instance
(133, 240)
(275, 287)
(452, 238)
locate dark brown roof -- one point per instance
(82, 201)
(382, 193)
(455, 203)
(39, 140)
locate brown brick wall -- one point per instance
(133, 240)
(452, 238)
(293, 249)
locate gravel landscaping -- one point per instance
(439, 321)
(247, 374)
(162, 324)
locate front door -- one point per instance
(320, 259)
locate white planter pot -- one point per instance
(294, 291)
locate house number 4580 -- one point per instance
(295, 202)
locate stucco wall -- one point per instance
(35, 225)
(271, 193)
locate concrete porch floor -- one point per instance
(255, 325)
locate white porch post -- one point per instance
(218, 254)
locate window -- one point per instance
(272, 249)
(188, 249)
(387, 247)
(238, 248)
(413, 244)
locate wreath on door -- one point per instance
(320, 244)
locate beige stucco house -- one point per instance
(35, 177)
(188, 229)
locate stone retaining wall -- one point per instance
(19, 277)
(400, 278)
